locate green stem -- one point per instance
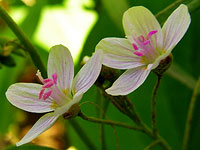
(152, 144)
(109, 122)
(193, 5)
(190, 115)
(24, 40)
(153, 106)
(143, 129)
(82, 135)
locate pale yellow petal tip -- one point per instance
(136, 9)
(109, 91)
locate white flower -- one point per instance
(58, 92)
(145, 46)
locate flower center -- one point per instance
(48, 83)
(142, 44)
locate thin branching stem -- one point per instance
(190, 115)
(24, 40)
(109, 122)
(153, 106)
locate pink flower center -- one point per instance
(48, 83)
(142, 42)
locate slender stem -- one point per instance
(82, 135)
(109, 122)
(143, 129)
(152, 144)
(24, 40)
(153, 106)
(190, 115)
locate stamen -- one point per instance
(39, 76)
(41, 93)
(146, 42)
(48, 85)
(152, 33)
(47, 94)
(142, 38)
(135, 46)
(55, 76)
(139, 53)
(47, 80)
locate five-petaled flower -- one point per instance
(145, 46)
(59, 91)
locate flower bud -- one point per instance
(163, 65)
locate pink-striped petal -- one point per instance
(60, 62)
(129, 81)
(139, 21)
(88, 74)
(44, 123)
(118, 53)
(175, 27)
(26, 96)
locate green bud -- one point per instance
(163, 65)
(72, 112)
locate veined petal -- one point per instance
(88, 74)
(60, 61)
(129, 81)
(26, 96)
(175, 27)
(118, 53)
(139, 21)
(44, 123)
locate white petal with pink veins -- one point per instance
(175, 27)
(118, 53)
(129, 81)
(26, 96)
(44, 123)
(88, 74)
(60, 62)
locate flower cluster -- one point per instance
(145, 46)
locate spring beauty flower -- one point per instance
(145, 45)
(59, 91)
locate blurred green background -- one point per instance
(80, 25)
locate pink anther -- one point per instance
(41, 93)
(47, 94)
(152, 33)
(47, 80)
(146, 42)
(48, 84)
(139, 53)
(55, 76)
(135, 46)
(142, 38)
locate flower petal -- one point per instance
(139, 21)
(44, 123)
(88, 74)
(175, 27)
(118, 53)
(129, 81)
(60, 61)
(26, 96)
